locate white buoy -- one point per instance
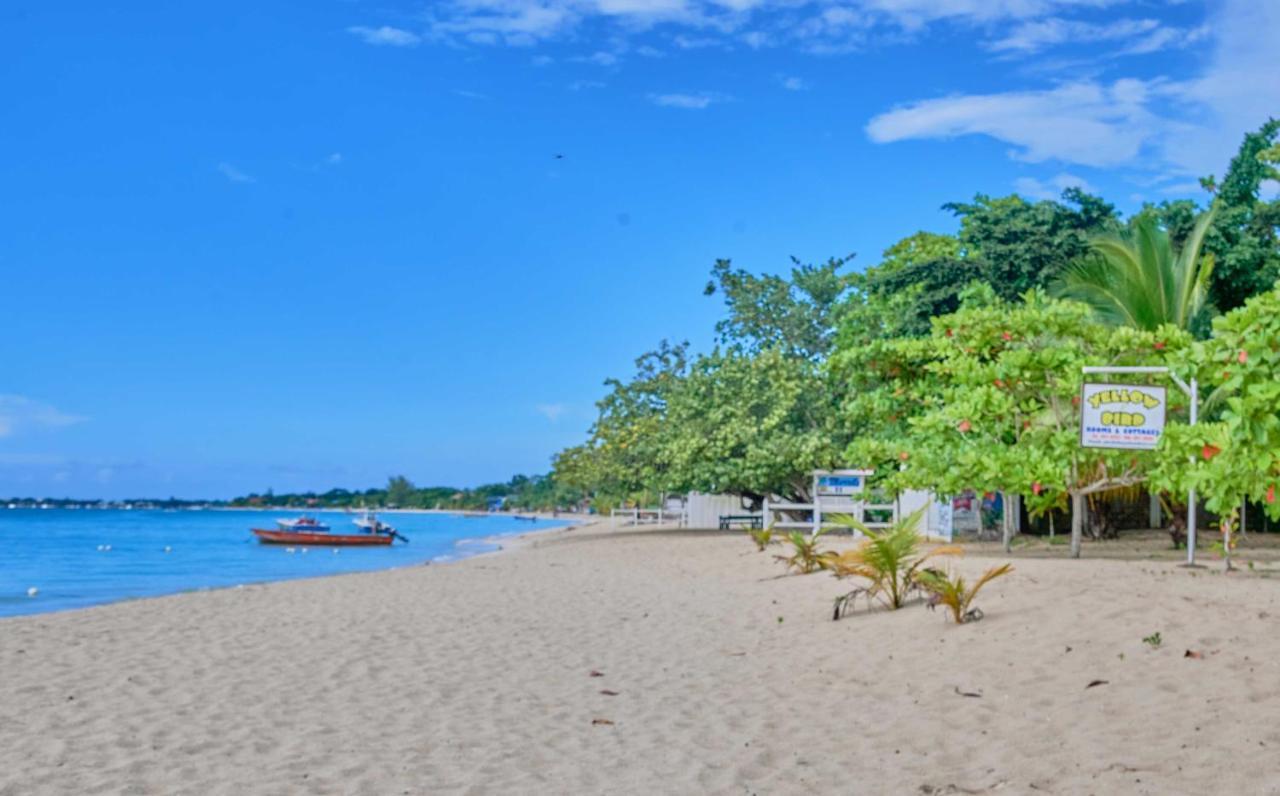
(335, 551)
(304, 549)
(168, 549)
(106, 548)
(33, 591)
(289, 550)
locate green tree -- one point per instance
(750, 425)
(1022, 245)
(796, 315)
(1138, 279)
(1008, 243)
(1234, 455)
(1244, 238)
(401, 492)
(622, 455)
(997, 410)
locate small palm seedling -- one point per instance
(891, 560)
(1153, 640)
(806, 557)
(763, 537)
(957, 595)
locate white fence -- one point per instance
(621, 518)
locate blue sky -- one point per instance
(306, 244)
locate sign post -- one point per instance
(1132, 417)
(837, 492)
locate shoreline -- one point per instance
(462, 549)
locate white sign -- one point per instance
(839, 485)
(1121, 416)
(838, 491)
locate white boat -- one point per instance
(304, 523)
(369, 523)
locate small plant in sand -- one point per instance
(955, 594)
(763, 537)
(1153, 640)
(806, 556)
(891, 560)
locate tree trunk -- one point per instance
(1154, 520)
(1227, 522)
(1078, 510)
(1006, 524)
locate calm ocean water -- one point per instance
(59, 552)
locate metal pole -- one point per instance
(1191, 496)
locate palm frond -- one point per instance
(1136, 279)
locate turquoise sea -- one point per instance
(75, 558)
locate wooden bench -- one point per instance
(753, 521)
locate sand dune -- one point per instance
(475, 677)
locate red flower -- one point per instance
(948, 333)
(1006, 336)
(1159, 346)
(904, 456)
(1243, 356)
(1271, 494)
(999, 383)
(964, 426)
(1036, 487)
(1209, 451)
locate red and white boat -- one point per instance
(324, 539)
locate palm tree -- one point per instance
(1137, 279)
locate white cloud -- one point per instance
(1035, 35)
(582, 85)
(234, 174)
(1237, 91)
(600, 58)
(551, 412)
(695, 42)
(1052, 189)
(792, 83)
(1179, 128)
(1088, 123)
(385, 36)
(475, 95)
(828, 23)
(19, 413)
(695, 102)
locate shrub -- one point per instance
(955, 594)
(806, 557)
(763, 537)
(891, 560)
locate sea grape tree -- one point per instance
(1234, 455)
(999, 409)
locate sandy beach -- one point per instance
(600, 661)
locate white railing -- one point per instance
(773, 509)
(621, 518)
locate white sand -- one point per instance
(474, 678)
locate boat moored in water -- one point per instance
(303, 523)
(323, 538)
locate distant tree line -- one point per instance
(522, 492)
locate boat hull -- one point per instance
(322, 539)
